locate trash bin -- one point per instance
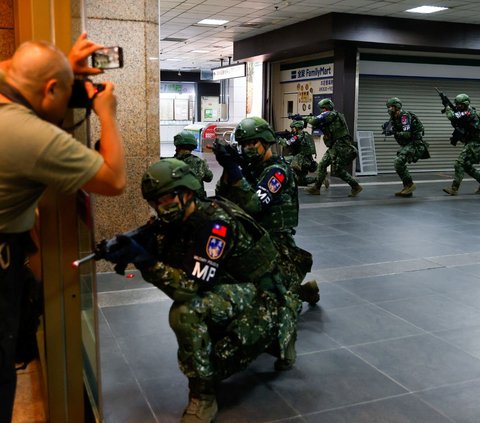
(208, 137)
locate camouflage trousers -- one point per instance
(340, 156)
(221, 331)
(409, 153)
(301, 165)
(469, 156)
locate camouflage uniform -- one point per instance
(185, 142)
(268, 192)
(408, 132)
(467, 130)
(301, 150)
(230, 303)
(341, 151)
(200, 169)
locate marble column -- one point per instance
(133, 25)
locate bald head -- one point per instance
(43, 75)
(36, 62)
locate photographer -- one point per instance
(35, 153)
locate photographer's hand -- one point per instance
(111, 146)
(78, 56)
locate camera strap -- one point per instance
(14, 95)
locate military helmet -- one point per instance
(394, 101)
(462, 99)
(253, 128)
(165, 176)
(326, 103)
(297, 124)
(185, 138)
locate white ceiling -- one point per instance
(247, 18)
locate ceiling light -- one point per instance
(200, 51)
(212, 22)
(173, 60)
(426, 9)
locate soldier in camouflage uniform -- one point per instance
(408, 132)
(265, 187)
(302, 148)
(340, 153)
(466, 122)
(218, 266)
(185, 143)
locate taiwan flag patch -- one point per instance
(220, 230)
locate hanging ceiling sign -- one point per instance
(228, 72)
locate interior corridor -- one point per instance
(395, 337)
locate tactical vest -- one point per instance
(250, 265)
(283, 213)
(336, 126)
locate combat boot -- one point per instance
(309, 292)
(356, 189)
(313, 190)
(287, 362)
(453, 190)
(326, 182)
(201, 409)
(408, 189)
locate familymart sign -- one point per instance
(306, 71)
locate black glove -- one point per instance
(124, 250)
(229, 159)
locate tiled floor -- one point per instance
(395, 338)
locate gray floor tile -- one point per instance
(332, 296)
(467, 339)
(433, 312)
(364, 323)
(331, 379)
(125, 403)
(459, 402)
(402, 409)
(138, 319)
(386, 287)
(420, 362)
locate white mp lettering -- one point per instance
(263, 196)
(205, 273)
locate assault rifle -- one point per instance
(458, 133)
(298, 116)
(445, 101)
(387, 128)
(130, 247)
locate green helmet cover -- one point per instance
(185, 138)
(394, 101)
(297, 124)
(326, 103)
(166, 176)
(254, 128)
(462, 99)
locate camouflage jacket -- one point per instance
(333, 126)
(407, 128)
(268, 192)
(467, 123)
(218, 244)
(200, 169)
(303, 144)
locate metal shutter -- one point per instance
(418, 96)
